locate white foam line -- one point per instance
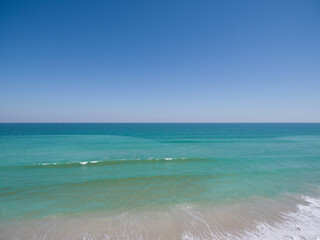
(302, 224)
(45, 164)
(185, 209)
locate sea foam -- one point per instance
(302, 224)
(185, 222)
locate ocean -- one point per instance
(160, 181)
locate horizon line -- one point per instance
(155, 122)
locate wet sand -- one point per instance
(257, 218)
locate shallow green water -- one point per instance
(63, 169)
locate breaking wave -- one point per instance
(109, 162)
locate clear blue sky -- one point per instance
(160, 61)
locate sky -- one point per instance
(160, 61)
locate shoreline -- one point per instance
(258, 218)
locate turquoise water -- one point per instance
(73, 169)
